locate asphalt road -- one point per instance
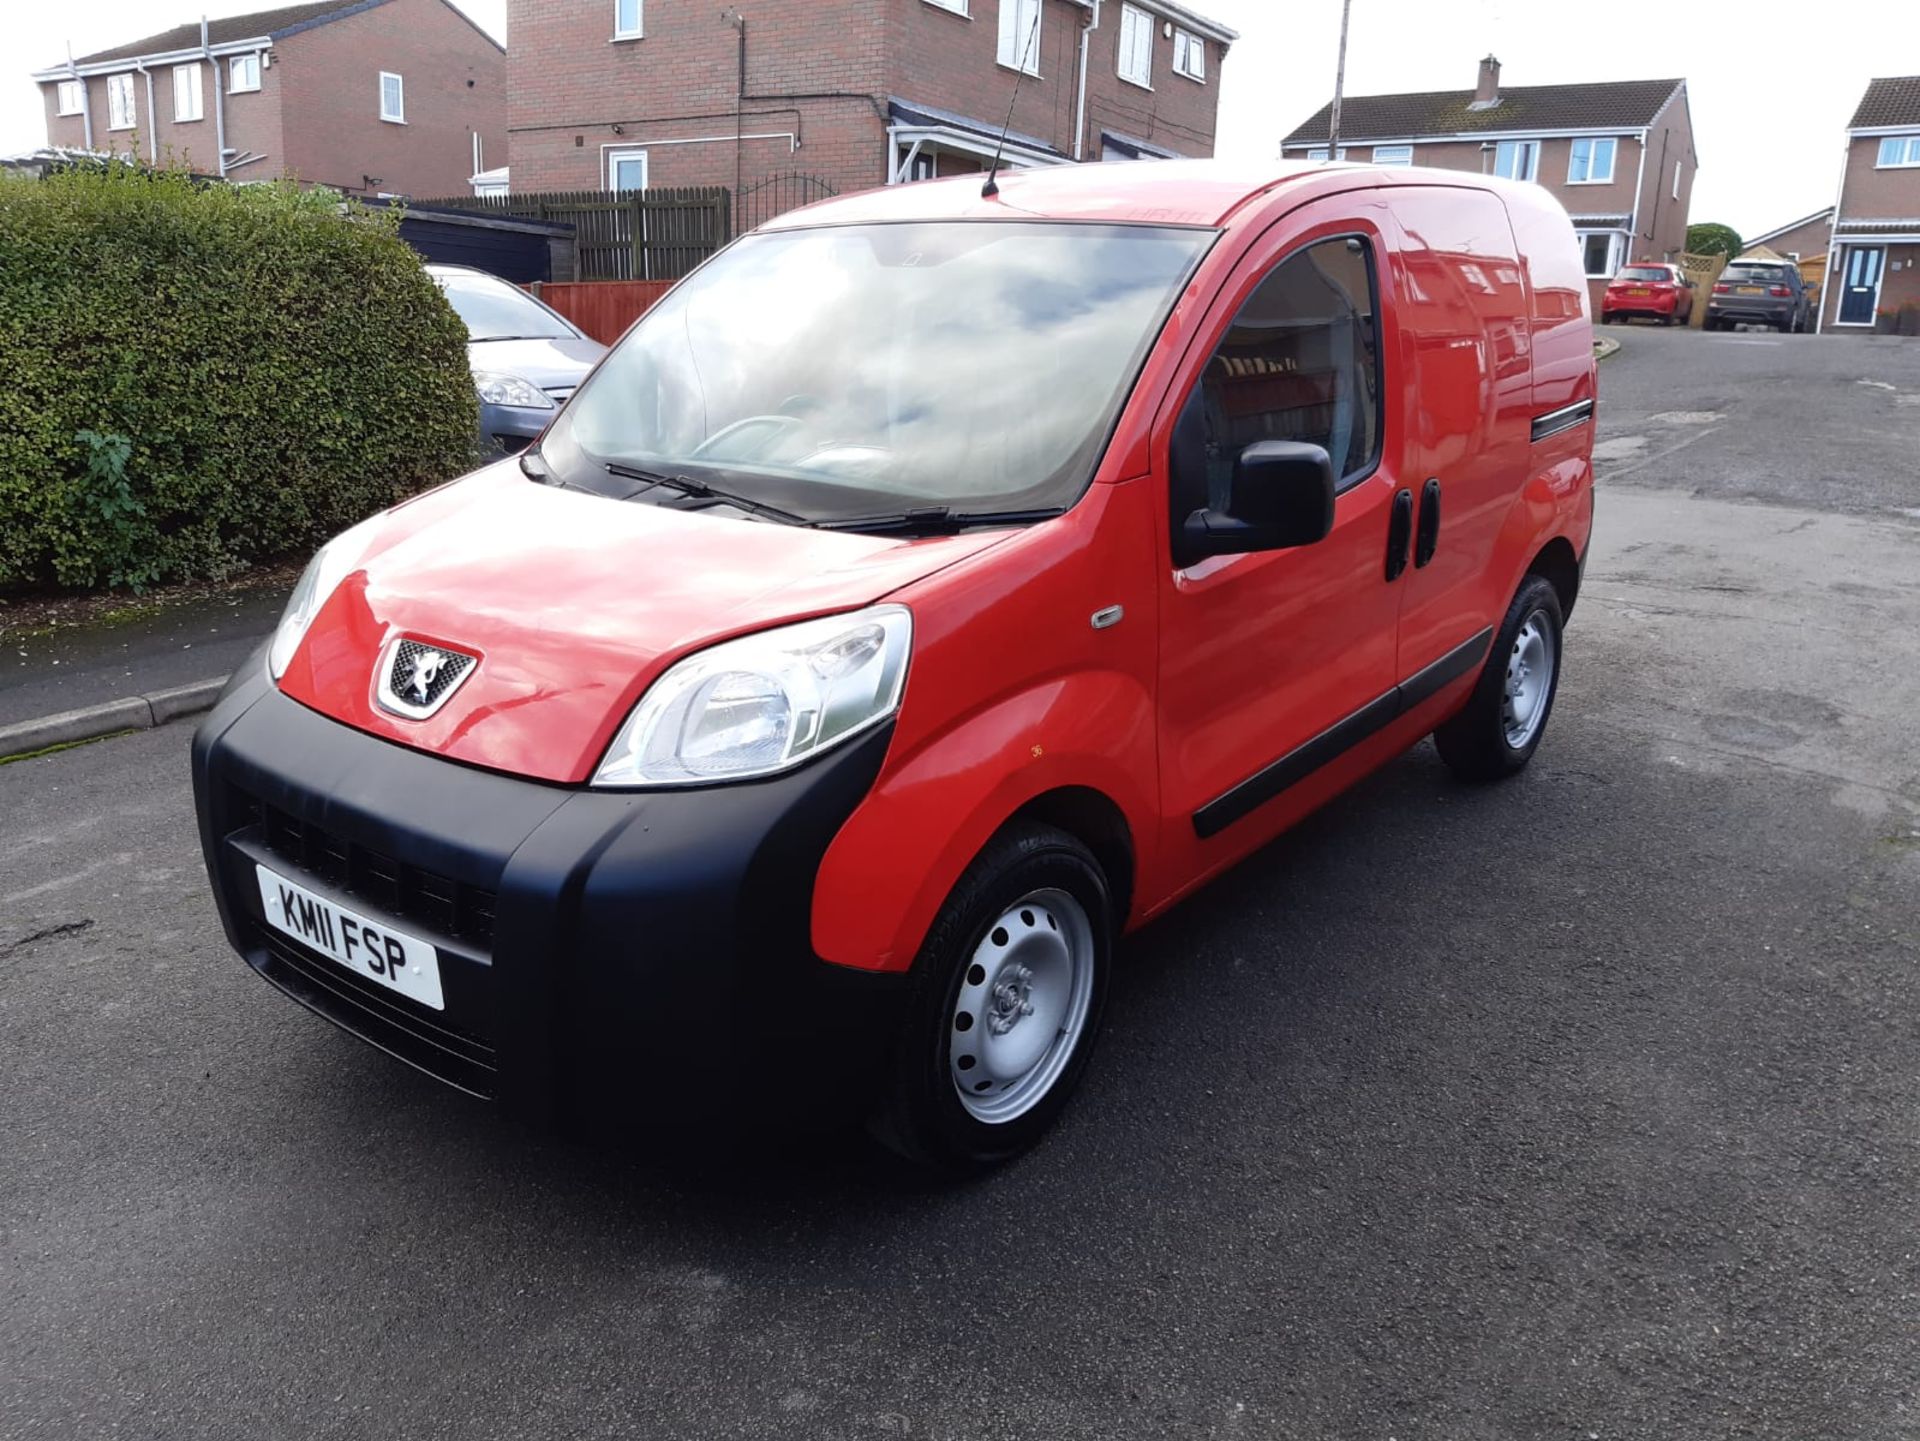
(1587, 1106)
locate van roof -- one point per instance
(1163, 192)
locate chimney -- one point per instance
(1487, 93)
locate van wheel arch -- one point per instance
(1560, 567)
(1092, 818)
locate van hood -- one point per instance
(572, 603)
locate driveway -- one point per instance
(1587, 1106)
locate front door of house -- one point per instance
(1860, 286)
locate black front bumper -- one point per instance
(645, 956)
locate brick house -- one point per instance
(367, 96)
(623, 94)
(1619, 155)
(1874, 260)
(1802, 240)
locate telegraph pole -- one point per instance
(1339, 85)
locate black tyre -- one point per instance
(1501, 726)
(1008, 993)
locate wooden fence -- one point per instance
(603, 308)
(655, 234)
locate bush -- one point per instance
(196, 376)
(1713, 238)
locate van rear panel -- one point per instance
(1562, 327)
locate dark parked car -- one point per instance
(1760, 292)
(527, 358)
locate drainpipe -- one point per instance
(1080, 104)
(153, 120)
(86, 97)
(219, 100)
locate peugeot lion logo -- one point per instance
(426, 670)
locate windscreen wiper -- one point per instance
(687, 485)
(934, 520)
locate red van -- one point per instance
(930, 589)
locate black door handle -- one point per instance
(1429, 538)
(1399, 532)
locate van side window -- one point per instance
(1300, 362)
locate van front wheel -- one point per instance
(1007, 996)
(1504, 719)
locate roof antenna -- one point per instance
(992, 187)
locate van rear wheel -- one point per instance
(1007, 997)
(1501, 725)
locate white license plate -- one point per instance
(371, 948)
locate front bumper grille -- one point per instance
(408, 893)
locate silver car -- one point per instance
(527, 358)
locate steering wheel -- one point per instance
(768, 425)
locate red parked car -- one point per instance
(930, 589)
(1660, 292)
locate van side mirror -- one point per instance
(1281, 496)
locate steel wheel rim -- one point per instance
(1022, 1006)
(1529, 681)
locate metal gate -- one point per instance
(775, 195)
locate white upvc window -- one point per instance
(1020, 35)
(393, 98)
(71, 95)
(1136, 47)
(958, 7)
(187, 101)
(1393, 155)
(1676, 180)
(1590, 162)
(626, 19)
(1898, 151)
(1319, 153)
(1517, 159)
(120, 110)
(1189, 56)
(243, 73)
(626, 170)
(1600, 253)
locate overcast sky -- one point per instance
(1770, 100)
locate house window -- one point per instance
(1136, 46)
(1591, 163)
(626, 170)
(1899, 150)
(1189, 56)
(393, 98)
(119, 102)
(1676, 180)
(626, 19)
(243, 73)
(1393, 155)
(187, 103)
(1020, 35)
(1517, 159)
(1319, 154)
(1301, 362)
(1598, 250)
(71, 97)
(958, 7)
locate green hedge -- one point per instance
(194, 376)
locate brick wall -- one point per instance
(1869, 193)
(674, 92)
(574, 92)
(455, 83)
(1663, 219)
(1805, 241)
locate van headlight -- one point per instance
(331, 564)
(764, 703)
